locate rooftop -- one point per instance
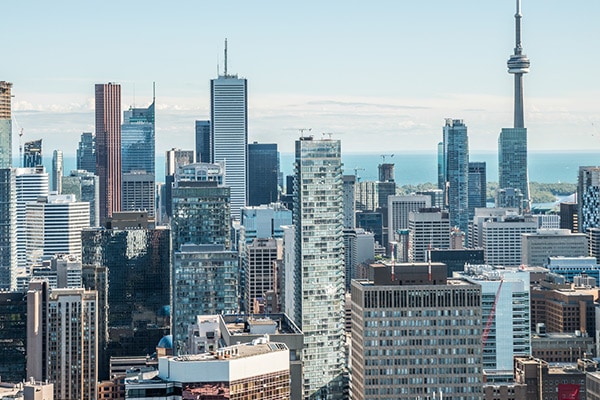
(240, 324)
(257, 347)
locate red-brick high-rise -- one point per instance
(108, 148)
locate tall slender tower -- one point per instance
(512, 142)
(229, 133)
(319, 270)
(456, 168)
(108, 148)
(8, 233)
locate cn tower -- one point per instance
(512, 142)
(518, 64)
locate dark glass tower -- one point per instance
(13, 336)
(86, 152)
(456, 168)
(263, 171)
(203, 145)
(477, 187)
(512, 142)
(32, 153)
(138, 265)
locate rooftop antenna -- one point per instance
(225, 61)
(134, 95)
(153, 91)
(302, 130)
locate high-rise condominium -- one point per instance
(477, 187)
(5, 125)
(229, 133)
(456, 163)
(32, 153)
(8, 238)
(86, 152)
(108, 147)
(57, 171)
(512, 142)
(588, 198)
(320, 283)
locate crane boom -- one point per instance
(490, 320)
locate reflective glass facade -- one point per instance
(456, 162)
(263, 171)
(138, 264)
(13, 336)
(205, 281)
(320, 269)
(512, 160)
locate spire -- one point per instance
(225, 61)
(518, 16)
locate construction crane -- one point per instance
(302, 130)
(383, 156)
(490, 320)
(356, 169)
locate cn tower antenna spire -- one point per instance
(225, 61)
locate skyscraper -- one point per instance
(8, 238)
(588, 198)
(57, 171)
(30, 184)
(137, 157)
(320, 283)
(229, 133)
(405, 344)
(201, 211)
(456, 168)
(86, 152)
(54, 225)
(32, 153)
(512, 142)
(62, 339)
(84, 185)
(138, 264)
(477, 187)
(5, 125)
(173, 159)
(203, 146)
(263, 172)
(108, 147)
(205, 281)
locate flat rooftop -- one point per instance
(238, 324)
(257, 347)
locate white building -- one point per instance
(398, 209)
(54, 225)
(508, 327)
(501, 239)
(31, 183)
(428, 229)
(257, 370)
(229, 133)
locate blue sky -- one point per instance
(379, 75)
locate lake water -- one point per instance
(414, 168)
